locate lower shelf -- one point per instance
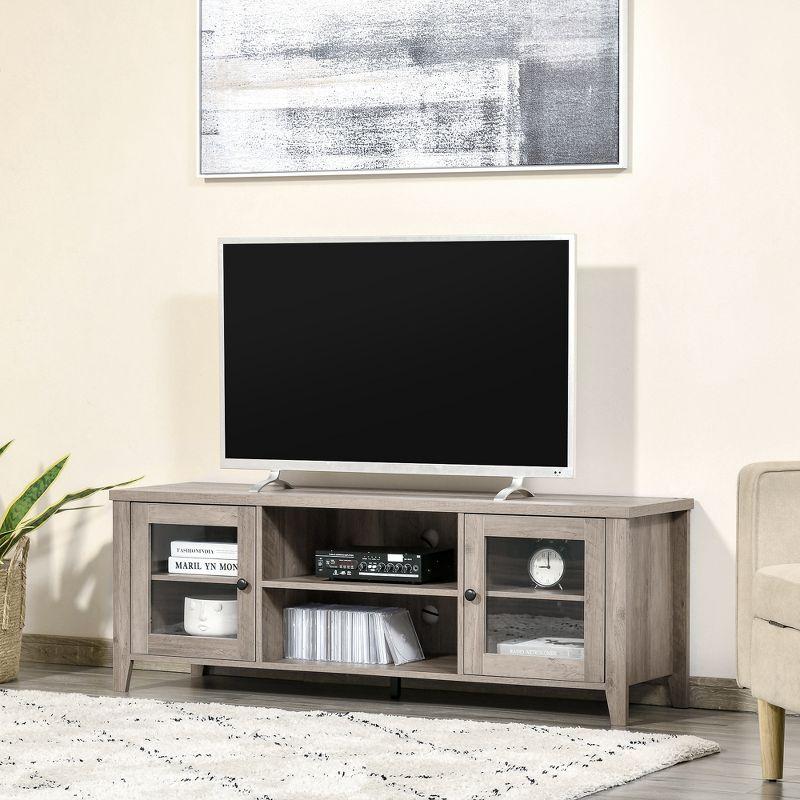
(441, 668)
(435, 666)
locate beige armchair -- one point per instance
(768, 599)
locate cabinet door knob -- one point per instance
(470, 594)
(242, 584)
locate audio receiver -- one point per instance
(386, 565)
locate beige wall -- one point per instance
(689, 286)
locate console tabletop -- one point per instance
(560, 505)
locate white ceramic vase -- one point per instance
(210, 616)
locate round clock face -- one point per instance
(546, 567)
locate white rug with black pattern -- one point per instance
(106, 748)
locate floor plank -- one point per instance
(734, 773)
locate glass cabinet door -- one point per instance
(192, 594)
(534, 597)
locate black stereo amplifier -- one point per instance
(386, 564)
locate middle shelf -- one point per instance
(312, 582)
(533, 593)
(198, 578)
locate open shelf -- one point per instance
(165, 576)
(531, 593)
(434, 666)
(362, 587)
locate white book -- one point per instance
(321, 629)
(377, 634)
(202, 566)
(221, 550)
(289, 637)
(401, 636)
(350, 634)
(544, 647)
(335, 645)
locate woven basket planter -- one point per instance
(12, 610)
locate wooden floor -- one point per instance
(735, 773)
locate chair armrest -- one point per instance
(768, 532)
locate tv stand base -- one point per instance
(628, 586)
(515, 487)
(273, 481)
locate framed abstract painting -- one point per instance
(386, 86)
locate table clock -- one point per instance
(547, 565)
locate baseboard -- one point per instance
(80, 651)
(719, 694)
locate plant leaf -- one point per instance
(5, 447)
(9, 537)
(30, 494)
(7, 543)
(31, 524)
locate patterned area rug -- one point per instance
(108, 748)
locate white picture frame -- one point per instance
(623, 148)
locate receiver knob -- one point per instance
(470, 594)
(242, 584)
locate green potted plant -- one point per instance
(19, 521)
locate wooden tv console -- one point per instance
(625, 587)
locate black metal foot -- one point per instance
(395, 688)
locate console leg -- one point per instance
(617, 699)
(123, 667)
(273, 480)
(678, 685)
(395, 688)
(198, 670)
(515, 487)
(678, 682)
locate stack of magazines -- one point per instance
(544, 647)
(350, 634)
(203, 558)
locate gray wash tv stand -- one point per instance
(624, 590)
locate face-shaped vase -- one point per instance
(210, 617)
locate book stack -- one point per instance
(203, 558)
(504, 626)
(544, 647)
(350, 634)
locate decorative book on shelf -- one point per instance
(201, 566)
(544, 647)
(350, 634)
(203, 558)
(221, 550)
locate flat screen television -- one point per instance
(427, 355)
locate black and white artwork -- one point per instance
(341, 86)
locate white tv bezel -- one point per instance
(515, 412)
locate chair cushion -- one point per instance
(776, 594)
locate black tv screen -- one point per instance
(434, 356)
